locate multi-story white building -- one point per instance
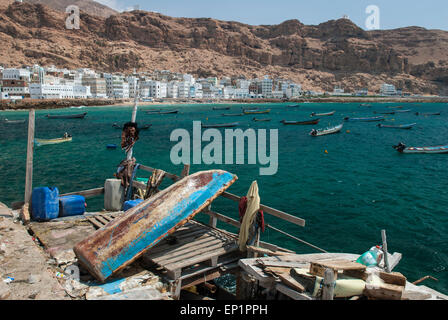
(388, 90)
(266, 87)
(172, 90)
(116, 86)
(59, 91)
(16, 82)
(183, 90)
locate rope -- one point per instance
(300, 240)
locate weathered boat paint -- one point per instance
(125, 239)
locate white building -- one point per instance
(116, 87)
(183, 90)
(172, 90)
(388, 90)
(59, 91)
(16, 81)
(266, 87)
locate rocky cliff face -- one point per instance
(336, 52)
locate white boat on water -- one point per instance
(314, 114)
(323, 132)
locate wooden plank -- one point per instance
(107, 217)
(86, 193)
(283, 264)
(203, 257)
(393, 278)
(269, 210)
(185, 171)
(292, 293)
(266, 251)
(318, 267)
(29, 157)
(224, 262)
(384, 291)
(95, 222)
(223, 218)
(167, 174)
(191, 253)
(284, 276)
(328, 285)
(394, 260)
(386, 255)
(187, 250)
(164, 246)
(101, 219)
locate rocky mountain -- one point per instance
(320, 56)
(88, 6)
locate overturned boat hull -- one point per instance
(125, 239)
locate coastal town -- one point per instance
(37, 82)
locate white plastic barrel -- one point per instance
(113, 195)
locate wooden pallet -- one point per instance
(193, 249)
(100, 220)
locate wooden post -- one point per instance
(257, 241)
(328, 285)
(185, 171)
(386, 258)
(29, 157)
(213, 220)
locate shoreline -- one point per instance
(27, 104)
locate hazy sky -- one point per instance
(431, 14)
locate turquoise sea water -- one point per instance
(347, 194)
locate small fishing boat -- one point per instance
(294, 106)
(261, 120)
(153, 111)
(323, 132)
(111, 146)
(365, 105)
(66, 116)
(402, 126)
(232, 114)
(369, 119)
(162, 112)
(428, 114)
(396, 107)
(256, 111)
(120, 242)
(309, 122)
(146, 127)
(221, 125)
(42, 142)
(221, 108)
(387, 112)
(403, 111)
(14, 121)
(401, 147)
(314, 114)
